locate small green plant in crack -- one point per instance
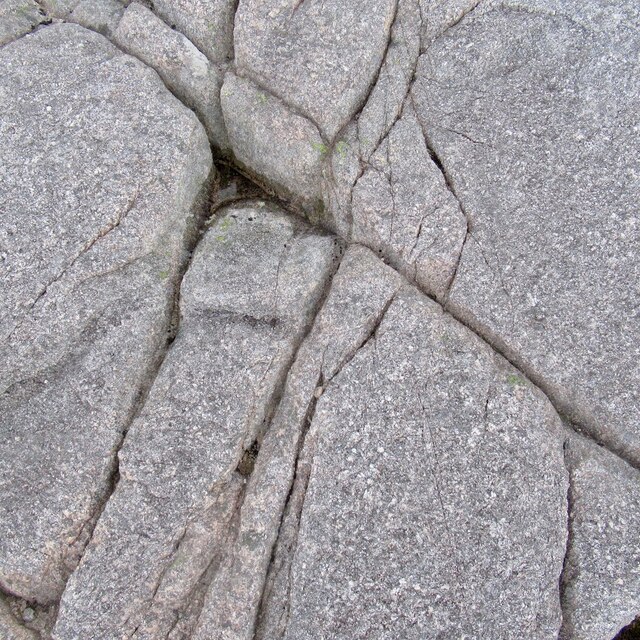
(262, 99)
(320, 147)
(515, 380)
(341, 148)
(164, 274)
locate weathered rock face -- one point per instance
(531, 109)
(246, 300)
(102, 172)
(220, 432)
(359, 294)
(602, 576)
(426, 446)
(320, 57)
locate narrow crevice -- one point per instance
(371, 335)
(246, 74)
(451, 26)
(565, 574)
(372, 83)
(106, 230)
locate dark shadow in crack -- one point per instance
(630, 632)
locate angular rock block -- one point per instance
(530, 106)
(436, 503)
(278, 146)
(102, 177)
(247, 299)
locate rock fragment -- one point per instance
(185, 70)
(10, 627)
(102, 175)
(602, 572)
(247, 299)
(531, 109)
(207, 23)
(436, 499)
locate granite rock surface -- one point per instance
(374, 376)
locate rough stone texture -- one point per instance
(207, 23)
(436, 503)
(440, 15)
(247, 298)
(402, 208)
(279, 146)
(101, 171)
(102, 16)
(359, 293)
(532, 110)
(185, 70)
(10, 627)
(351, 152)
(602, 573)
(18, 17)
(320, 56)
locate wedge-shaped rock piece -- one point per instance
(18, 17)
(185, 70)
(102, 176)
(98, 15)
(436, 503)
(532, 114)
(247, 299)
(360, 138)
(207, 23)
(602, 573)
(359, 294)
(402, 208)
(319, 56)
(281, 148)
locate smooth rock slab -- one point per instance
(602, 573)
(436, 503)
(534, 117)
(248, 297)
(102, 173)
(186, 71)
(319, 56)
